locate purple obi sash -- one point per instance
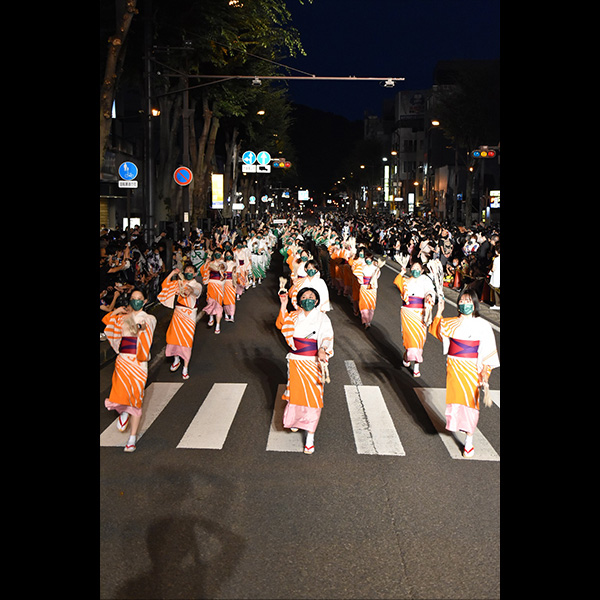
(305, 347)
(241, 262)
(463, 348)
(415, 302)
(128, 345)
(366, 280)
(229, 275)
(215, 275)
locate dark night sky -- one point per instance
(385, 38)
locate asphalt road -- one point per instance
(243, 521)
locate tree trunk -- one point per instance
(198, 155)
(170, 120)
(113, 61)
(205, 157)
(228, 178)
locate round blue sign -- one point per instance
(263, 157)
(128, 171)
(249, 157)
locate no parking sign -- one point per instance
(183, 176)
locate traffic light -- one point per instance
(484, 152)
(281, 163)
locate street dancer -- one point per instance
(180, 334)
(309, 334)
(469, 342)
(130, 331)
(229, 286)
(416, 290)
(215, 290)
(367, 295)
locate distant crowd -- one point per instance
(469, 256)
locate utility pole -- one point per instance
(186, 158)
(148, 145)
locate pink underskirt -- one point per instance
(414, 354)
(302, 417)
(121, 408)
(461, 418)
(213, 307)
(366, 316)
(182, 351)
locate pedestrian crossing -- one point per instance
(373, 428)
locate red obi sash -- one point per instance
(128, 345)
(415, 302)
(463, 348)
(305, 347)
(366, 280)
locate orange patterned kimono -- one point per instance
(215, 288)
(180, 334)
(414, 331)
(471, 349)
(357, 265)
(131, 367)
(367, 295)
(229, 288)
(304, 334)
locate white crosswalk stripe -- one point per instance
(434, 402)
(372, 425)
(210, 426)
(156, 397)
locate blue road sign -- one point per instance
(128, 171)
(183, 176)
(249, 157)
(263, 158)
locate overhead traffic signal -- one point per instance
(485, 152)
(281, 163)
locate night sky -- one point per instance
(385, 38)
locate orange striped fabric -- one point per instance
(288, 326)
(131, 370)
(305, 385)
(367, 298)
(463, 375)
(357, 265)
(414, 331)
(182, 327)
(168, 292)
(229, 292)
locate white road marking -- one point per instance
(210, 426)
(353, 372)
(372, 425)
(434, 402)
(156, 397)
